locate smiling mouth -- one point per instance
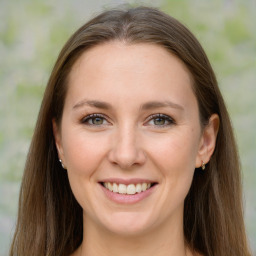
(130, 189)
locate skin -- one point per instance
(126, 142)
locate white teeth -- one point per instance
(115, 188)
(138, 188)
(130, 189)
(144, 186)
(110, 187)
(122, 189)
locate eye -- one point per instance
(160, 120)
(95, 120)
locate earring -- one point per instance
(63, 166)
(203, 165)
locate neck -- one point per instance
(167, 240)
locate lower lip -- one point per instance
(127, 199)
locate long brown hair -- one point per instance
(50, 219)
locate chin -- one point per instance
(128, 224)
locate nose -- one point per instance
(126, 150)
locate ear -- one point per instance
(208, 141)
(58, 141)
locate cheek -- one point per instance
(83, 157)
(83, 152)
(177, 151)
(175, 157)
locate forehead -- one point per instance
(137, 54)
(110, 69)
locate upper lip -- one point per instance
(127, 181)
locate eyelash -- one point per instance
(86, 120)
(162, 117)
(91, 117)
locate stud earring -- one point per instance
(203, 165)
(63, 166)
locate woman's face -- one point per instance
(130, 124)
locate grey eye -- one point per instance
(96, 120)
(159, 121)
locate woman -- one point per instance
(133, 152)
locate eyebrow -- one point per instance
(92, 103)
(147, 106)
(160, 104)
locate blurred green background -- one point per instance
(32, 33)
